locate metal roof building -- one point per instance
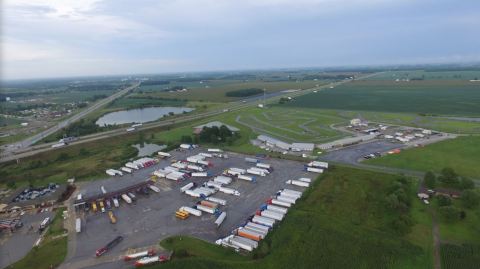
(273, 142)
(347, 141)
(303, 146)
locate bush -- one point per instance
(450, 213)
(470, 199)
(244, 92)
(444, 200)
(429, 180)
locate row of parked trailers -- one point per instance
(256, 228)
(130, 167)
(193, 166)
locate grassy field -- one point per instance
(343, 215)
(462, 154)
(292, 125)
(441, 97)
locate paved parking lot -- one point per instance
(14, 246)
(152, 218)
(352, 154)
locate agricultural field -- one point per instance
(342, 215)
(462, 154)
(428, 75)
(429, 97)
(215, 91)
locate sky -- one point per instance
(61, 38)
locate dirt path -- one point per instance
(437, 262)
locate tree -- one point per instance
(466, 183)
(186, 139)
(444, 200)
(470, 199)
(429, 180)
(11, 184)
(449, 176)
(450, 213)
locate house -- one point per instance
(273, 142)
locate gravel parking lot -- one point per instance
(152, 218)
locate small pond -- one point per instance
(148, 149)
(140, 115)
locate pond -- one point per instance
(148, 149)
(140, 115)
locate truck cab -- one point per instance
(102, 207)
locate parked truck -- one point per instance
(78, 225)
(126, 198)
(108, 246)
(115, 202)
(150, 260)
(216, 200)
(314, 170)
(146, 253)
(220, 219)
(192, 211)
(207, 209)
(298, 183)
(251, 160)
(272, 214)
(247, 178)
(112, 217)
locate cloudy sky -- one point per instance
(57, 38)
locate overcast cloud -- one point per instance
(58, 38)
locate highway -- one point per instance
(28, 142)
(234, 106)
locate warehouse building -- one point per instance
(303, 146)
(273, 142)
(346, 141)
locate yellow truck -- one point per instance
(181, 214)
(102, 207)
(112, 217)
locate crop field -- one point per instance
(429, 97)
(462, 154)
(291, 125)
(460, 256)
(428, 75)
(216, 92)
(342, 215)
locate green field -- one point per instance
(342, 215)
(292, 125)
(462, 154)
(430, 97)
